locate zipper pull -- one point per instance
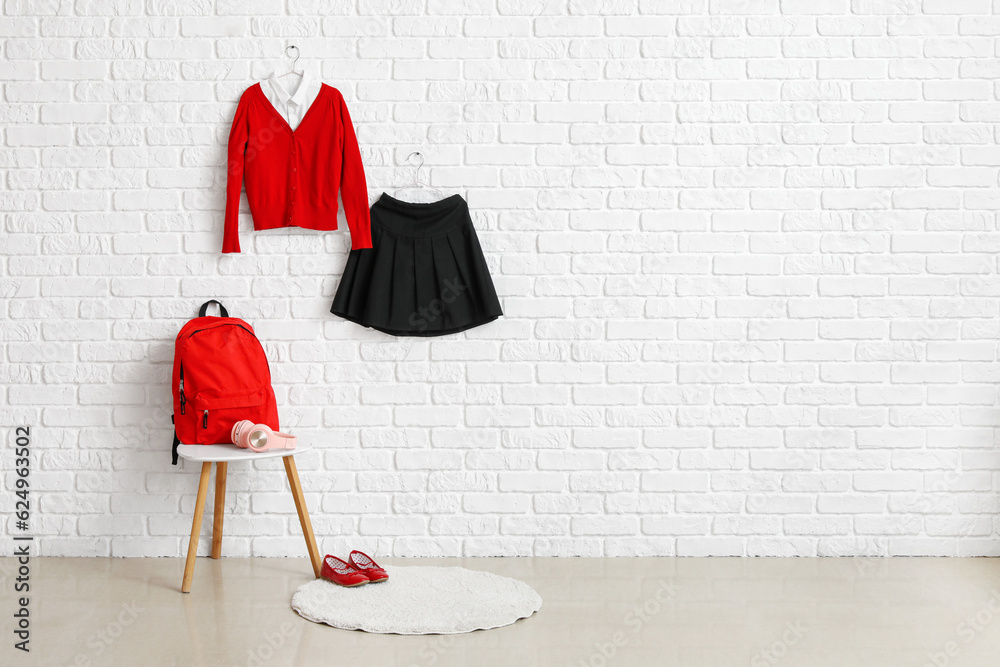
(204, 420)
(183, 400)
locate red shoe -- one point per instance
(341, 573)
(369, 567)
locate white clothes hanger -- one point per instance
(419, 191)
(296, 68)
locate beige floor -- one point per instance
(597, 613)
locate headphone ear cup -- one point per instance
(239, 433)
(248, 434)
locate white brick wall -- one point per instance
(747, 251)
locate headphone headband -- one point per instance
(260, 437)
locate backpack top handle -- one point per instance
(204, 309)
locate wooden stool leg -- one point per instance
(300, 507)
(220, 507)
(199, 510)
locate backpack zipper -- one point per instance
(220, 325)
(204, 420)
(183, 400)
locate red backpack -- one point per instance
(220, 377)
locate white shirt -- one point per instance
(291, 106)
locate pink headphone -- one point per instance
(259, 437)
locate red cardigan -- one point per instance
(292, 177)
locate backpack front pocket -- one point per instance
(218, 412)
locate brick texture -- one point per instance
(747, 252)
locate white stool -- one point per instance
(221, 455)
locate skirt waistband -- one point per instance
(420, 219)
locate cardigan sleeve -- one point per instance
(238, 137)
(353, 186)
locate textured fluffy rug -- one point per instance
(420, 601)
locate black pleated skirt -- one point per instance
(425, 274)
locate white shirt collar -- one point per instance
(301, 92)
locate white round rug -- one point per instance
(419, 601)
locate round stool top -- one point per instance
(225, 453)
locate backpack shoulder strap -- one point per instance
(173, 450)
